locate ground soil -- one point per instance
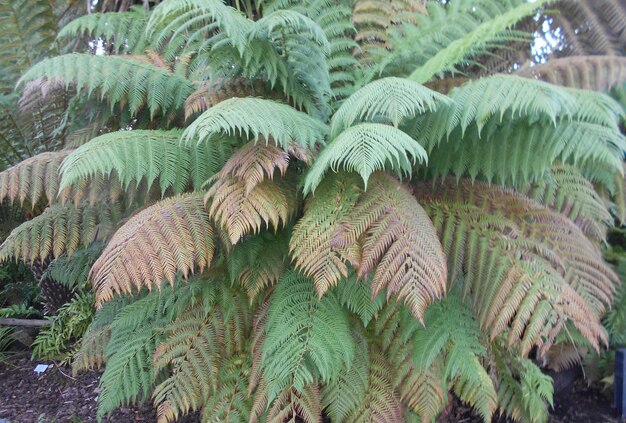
(58, 397)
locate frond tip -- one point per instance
(174, 235)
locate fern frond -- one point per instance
(380, 403)
(598, 73)
(257, 118)
(151, 155)
(294, 21)
(129, 376)
(303, 405)
(221, 89)
(93, 344)
(356, 296)
(240, 212)
(258, 263)
(183, 23)
(391, 99)
(150, 86)
(230, 403)
(307, 339)
(458, 51)
(123, 32)
(567, 191)
(193, 349)
(345, 394)
(60, 230)
(174, 235)
(73, 271)
(33, 179)
(29, 29)
(310, 245)
(398, 243)
(366, 148)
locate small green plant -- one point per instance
(20, 311)
(6, 339)
(69, 325)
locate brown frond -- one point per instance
(310, 244)
(174, 235)
(381, 403)
(36, 92)
(397, 242)
(33, 179)
(240, 212)
(290, 405)
(446, 85)
(255, 162)
(598, 73)
(220, 89)
(90, 356)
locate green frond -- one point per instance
(28, 32)
(525, 391)
(72, 271)
(258, 263)
(567, 191)
(123, 32)
(307, 338)
(259, 119)
(148, 86)
(292, 20)
(192, 349)
(356, 296)
(459, 50)
(156, 156)
(129, 376)
(366, 148)
(390, 99)
(60, 230)
(380, 404)
(183, 22)
(291, 404)
(174, 235)
(345, 393)
(230, 403)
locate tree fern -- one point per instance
(304, 405)
(308, 339)
(171, 236)
(255, 118)
(151, 87)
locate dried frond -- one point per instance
(397, 243)
(240, 212)
(291, 404)
(33, 179)
(598, 73)
(174, 235)
(310, 244)
(220, 89)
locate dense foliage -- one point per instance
(341, 209)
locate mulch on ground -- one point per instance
(58, 397)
